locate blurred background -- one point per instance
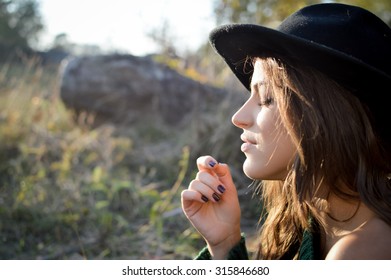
(104, 107)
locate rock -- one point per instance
(159, 109)
(126, 89)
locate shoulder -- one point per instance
(371, 241)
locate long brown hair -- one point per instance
(337, 149)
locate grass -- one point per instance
(70, 190)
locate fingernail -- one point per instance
(216, 197)
(212, 163)
(221, 189)
(204, 198)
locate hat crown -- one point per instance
(347, 29)
(347, 43)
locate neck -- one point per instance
(340, 210)
(341, 218)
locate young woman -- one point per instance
(315, 135)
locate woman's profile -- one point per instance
(315, 132)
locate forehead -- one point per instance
(258, 78)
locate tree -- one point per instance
(163, 38)
(20, 24)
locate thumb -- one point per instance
(223, 173)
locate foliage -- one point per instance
(20, 24)
(186, 69)
(68, 190)
(73, 190)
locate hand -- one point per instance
(211, 204)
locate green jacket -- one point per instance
(308, 249)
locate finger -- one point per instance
(191, 195)
(219, 170)
(206, 163)
(223, 173)
(191, 202)
(210, 180)
(205, 191)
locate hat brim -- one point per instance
(236, 42)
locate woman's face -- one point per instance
(267, 145)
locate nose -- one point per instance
(243, 117)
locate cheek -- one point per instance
(268, 123)
(275, 150)
(271, 162)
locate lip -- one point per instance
(248, 143)
(247, 139)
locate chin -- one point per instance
(263, 172)
(250, 171)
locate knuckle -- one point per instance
(194, 184)
(203, 176)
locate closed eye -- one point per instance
(267, 102)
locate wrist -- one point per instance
(220, 251)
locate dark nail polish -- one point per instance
(204, 198)
(216, 197)
(221, 189)
(212, 163)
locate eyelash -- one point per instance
(267, 102)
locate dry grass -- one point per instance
(69, 190)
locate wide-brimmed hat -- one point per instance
(349, 44)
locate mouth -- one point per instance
(248, 143)
(247, 140)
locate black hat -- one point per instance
(349, 44)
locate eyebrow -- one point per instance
(255, 87)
